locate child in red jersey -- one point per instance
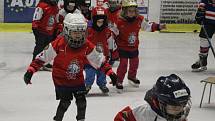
(113, 12)
(99, 34)
(44, 26)
(70, 53)
(127, 30)
(70, 6)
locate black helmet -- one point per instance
(51, 2)
(86, 3)
(99, 13)
(68, 3)
(169, 90)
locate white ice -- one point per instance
(160, 54)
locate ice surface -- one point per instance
(160, 54)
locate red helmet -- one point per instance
(99, 11)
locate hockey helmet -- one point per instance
(86, 3)
(52, 2)
(114, 5)
(99, 13)
(129, 3)
(129, 10)
(84, 7)
(172, 95)
(70, 6)
(75, 26)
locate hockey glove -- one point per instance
(27, 77)
(200, 16)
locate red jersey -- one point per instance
(128, 32)
(45, 18)
(69, 62)
(100, 39)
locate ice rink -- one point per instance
(160, 54)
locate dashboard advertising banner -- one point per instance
(143, 7)
(19, 11)
(178, 11)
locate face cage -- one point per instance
(114, 4)
(169, 117)
(74, 42)
(125, 11)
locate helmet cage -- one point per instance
(75, 42)
(75, 23)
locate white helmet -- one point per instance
(129, 3)
(75, 26)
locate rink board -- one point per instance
(26, 27)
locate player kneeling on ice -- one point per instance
(127, 30)
(70, 53)
(168, 100)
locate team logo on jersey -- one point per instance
(51, 21)
(73, 69)
(110, 25)
(131, 39)
(99, 47)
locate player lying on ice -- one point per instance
(168, 100)
(70, 53)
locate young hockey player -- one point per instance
(84, 7)
(70, 53)
(113, 12)
(205, 17)
(99, 34)
(168, 100)
(70, 6)
(127, 30)
(44, 26)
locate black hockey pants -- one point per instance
(64, 104)
(41, 41)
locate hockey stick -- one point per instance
(209, 39)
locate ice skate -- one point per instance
(81, 120)
(54, 119)
(88, 88)
(104, 89)
(119, 87)
(134, 82)
(200, 65)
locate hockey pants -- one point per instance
(122, 68)
(41, 41)
(64, 104)
(90, 76)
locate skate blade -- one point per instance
(120, 91)
(200, 69)
(105, 94)
(133, 84)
